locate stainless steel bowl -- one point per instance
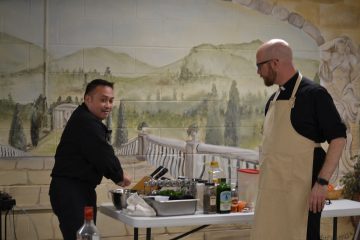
(119, 197)
(173, 207)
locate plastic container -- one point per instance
(200, 188)
(248, 180)
(215, 172)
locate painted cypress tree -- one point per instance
(37, 119)
(214, 134)
(108, 123)
(232, 118)
(17, 137)
(35, 127)
(121, 136)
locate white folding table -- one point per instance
(337, 208)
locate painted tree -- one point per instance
(214, 134)
(108, 123)
(38, 118)
(121, 136)
(17, 136)
(232, 118)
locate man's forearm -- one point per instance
(332, 158)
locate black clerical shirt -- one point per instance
(314, 115)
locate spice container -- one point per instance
(209, 198)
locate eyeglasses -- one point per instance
(258, 65)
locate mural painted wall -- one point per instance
(169, 61)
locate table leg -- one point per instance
(136, 233)
(335, 228)
(148, 233)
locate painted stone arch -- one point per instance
(339, 72)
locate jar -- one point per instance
(209, 198)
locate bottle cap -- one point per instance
(89, 213)
(214, 164)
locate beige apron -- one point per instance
(281, 210)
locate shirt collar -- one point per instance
(290, 83)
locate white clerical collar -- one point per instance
(282, 88)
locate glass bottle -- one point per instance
(215, 172)
(234, 198)
(223, 197)
(209, 198)
(88, 231)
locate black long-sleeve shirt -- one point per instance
(84, 151)
(314, 115)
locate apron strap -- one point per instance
(292, 98)
(297, 84)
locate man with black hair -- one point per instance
(83, 156)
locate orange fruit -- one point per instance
(330, 188)
(241, 205)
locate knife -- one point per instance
(163, 171)
(156, 171)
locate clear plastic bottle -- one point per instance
(88, 231)
(215, 172)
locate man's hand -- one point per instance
(317, 198)
(125, 182)
(319, 192)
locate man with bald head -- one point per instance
(294, 170)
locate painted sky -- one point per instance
(154, 31)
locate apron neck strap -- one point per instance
(297, 84)
(298, 80)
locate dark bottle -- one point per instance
(223, 197)
(209, 198)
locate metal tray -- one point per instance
(173, 207)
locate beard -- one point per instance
(269, 80)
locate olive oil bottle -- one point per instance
(223, 197)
